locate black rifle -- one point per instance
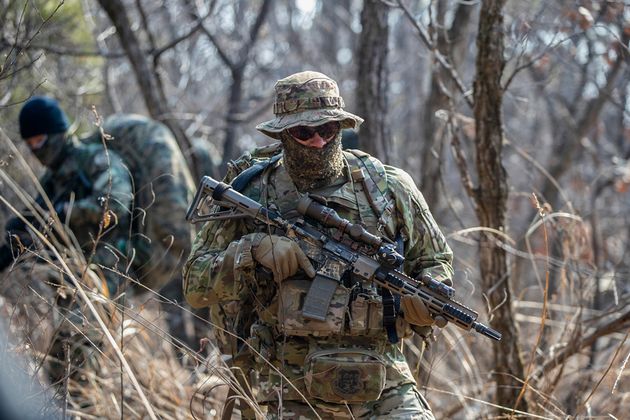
(351, 248)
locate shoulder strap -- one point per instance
(243, 179)
(371, 173)
(378, 194)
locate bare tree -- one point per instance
(490, 200)
(236, 62)
(372, 79)
(148, 80)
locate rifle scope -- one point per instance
(328, 217)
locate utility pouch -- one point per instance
(292, 322)
(345, 375)
(366, 315)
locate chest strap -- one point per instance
(370, 172)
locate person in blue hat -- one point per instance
(90, 190)
(89, 187)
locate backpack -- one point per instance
(162, 184)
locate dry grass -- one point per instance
(161, 382)
(577, 358)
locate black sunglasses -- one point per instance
(325, 131)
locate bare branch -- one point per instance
(444, 62)
(254, 31)
(613, 325)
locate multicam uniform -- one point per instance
(347, 365)
(221, 272)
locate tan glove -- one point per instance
(417, 313)
(282, 256)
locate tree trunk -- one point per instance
(491, 197)
(150, 86)
(230, 150)
(372, 79)
(430, 147)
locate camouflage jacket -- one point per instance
(95, 179)
(220, 273)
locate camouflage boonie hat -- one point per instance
(307, 98)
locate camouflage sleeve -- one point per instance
(426, 250)
(109, 178)
(220, 254)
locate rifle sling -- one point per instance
(243, 179)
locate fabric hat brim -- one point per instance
(273, 128)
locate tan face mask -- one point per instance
(312, 168)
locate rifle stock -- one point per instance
(366, 255)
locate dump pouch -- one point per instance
(345, 375)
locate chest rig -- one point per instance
(368, 179)
(368, 175)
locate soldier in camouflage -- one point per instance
(254, 279)
(89, 187)
(90, 191)
(162, 187)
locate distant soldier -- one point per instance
(88, 186)
(255, 279)
(90, 190)
(160, 237)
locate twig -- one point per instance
(543, 314)
(444, 62)
(616, 324)
(579, 410)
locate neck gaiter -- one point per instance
(312, 168)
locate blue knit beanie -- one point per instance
(42, 115)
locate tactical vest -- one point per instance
(366, 171)
(359, 329)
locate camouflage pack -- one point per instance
(163, 187)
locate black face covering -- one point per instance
(51, 153)
(311, 168)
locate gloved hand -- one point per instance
(417, 313)
(282, 256)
